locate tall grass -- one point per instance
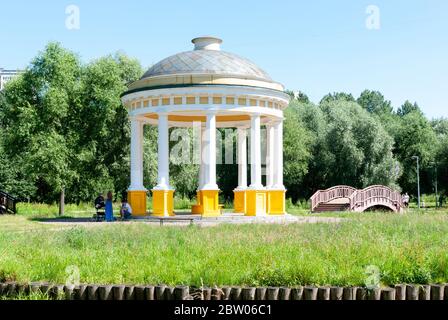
(405, 248)
(28, 296)
(46, 210)
(183, 203)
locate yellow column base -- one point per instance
(239, 201)
(197, 208)
(137, 201)
(276, 202)
(255, 202)
(162, 203)
(208, 203)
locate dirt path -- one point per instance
(186, 220)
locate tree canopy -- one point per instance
(64, 125)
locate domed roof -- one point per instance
(207, 62)
(206, 65)
(207, 58)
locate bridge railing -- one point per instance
(358, 199)
(375, 194)
(7, 203)
(323, 196)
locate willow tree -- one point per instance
(37, 122)
(65, 128)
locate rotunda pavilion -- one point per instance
(216, 89)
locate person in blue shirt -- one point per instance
(109, 209)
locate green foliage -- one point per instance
(297, 152)
(183, 172)
(407, 108)
(150, 156)
(415, 137)
(183, 203)
(374, 102)
(298, 96)
(12, 179)
(65, 126)
(440, 127)
(441, 163)
(361, 148)
(314, 121)
(348, 146)
(37, 132)
(337, 96)
(103, 155)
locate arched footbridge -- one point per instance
(345, 198)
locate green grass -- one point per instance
(408, 248)
(50, 211)
(30, 296)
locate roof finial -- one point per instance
(207, 43)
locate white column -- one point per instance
(255, 153)
(270, 154)
(136, 155)
(278, 146)
(209, 156)
(242, 158)
(198, 149)
(163, 179)
(201, 158)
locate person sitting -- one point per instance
(126, 210)
(108, 208)
(99, 207)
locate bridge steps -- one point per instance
(331, 207)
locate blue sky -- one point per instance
(313, 46)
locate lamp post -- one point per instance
(435, 183)
(418, 178)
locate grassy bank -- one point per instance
(405, 248)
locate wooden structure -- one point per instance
(345, 198)
(7, 203)
(159, 292)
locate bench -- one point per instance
(176, 219)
